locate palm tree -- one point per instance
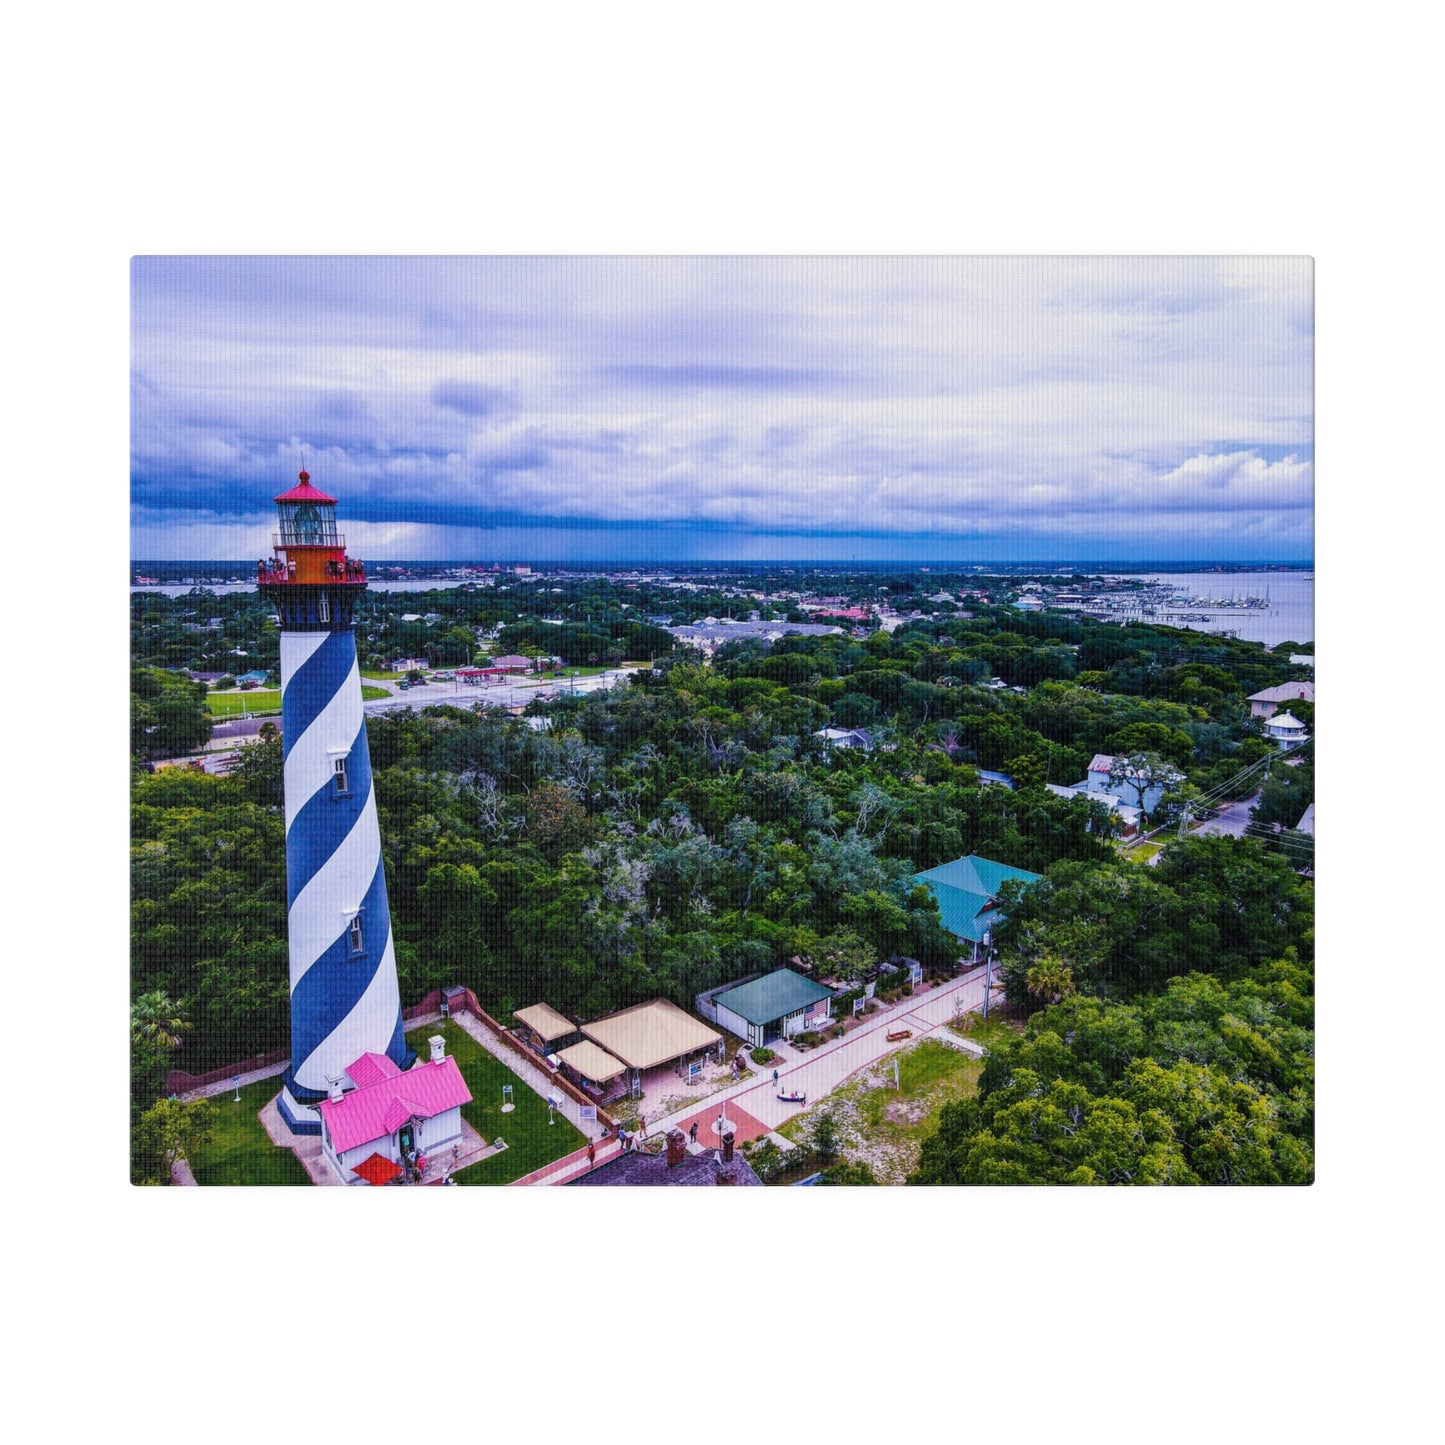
(155, 1020)
(1050, 980)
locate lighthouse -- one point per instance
(344, 996)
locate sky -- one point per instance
(694, 409)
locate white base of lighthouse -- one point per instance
(299, 1118)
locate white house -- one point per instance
(1286, 730)
(846, 738)
(391, 1113)
(1105, 784)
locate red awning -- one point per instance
(377, 1170)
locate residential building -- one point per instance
(1269, 702)
(967, 893)
(778, 1005)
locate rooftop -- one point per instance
(770, 997)
(379, 1107)
(967, 891)
(636, 1167)
(649, 1034)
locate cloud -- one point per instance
(470, 399)
(1011, 399)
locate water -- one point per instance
(1290, 614)
(221, 589)
(1291, 611)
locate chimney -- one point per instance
(728, 1148)
(676, 1147)
(438, 1048)
(335, 1087)
(725, 1176)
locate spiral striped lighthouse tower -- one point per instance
(344, 996)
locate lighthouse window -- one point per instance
(340, 767)
(324, 607)
(356, 944)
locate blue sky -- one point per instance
(700, 409)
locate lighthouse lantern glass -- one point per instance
(308, 524)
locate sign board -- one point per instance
(915, 972)
(694, 1070)
(858, 1006)
(868, 992)
(506, 1093)
(554, 1098)
(587, 1113)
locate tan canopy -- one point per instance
(649, 1034)
(591, 1062)
(545, 1022)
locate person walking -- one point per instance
(775, 1079)
(591, 1154)
(692, 1133)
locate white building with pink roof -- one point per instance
(376, 1108)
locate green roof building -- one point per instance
(967, 893)
(777, 1005)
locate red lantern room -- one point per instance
(310, 577)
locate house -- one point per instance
(997, 780)
(1286, 729)
(1130, 818)
(391, 1113)
(511, 662)
(678, 1166)
(256, 676)
(1104, 782)
(408, 664)
(846, 738)
(1269, 702)
(967, 893)
(778, 1005)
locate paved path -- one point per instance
(821, 1070)
(1231, 820)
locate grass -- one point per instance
(370, 694)
(241, 1151)
(990, 1032)
(258, 702)
(885, 1127)
(1142, 852)
(531, 1141)
(378, 676)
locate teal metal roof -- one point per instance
(966, 890)
(768, 998)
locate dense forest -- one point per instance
(689, 828)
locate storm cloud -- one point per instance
(968, 409)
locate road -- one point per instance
(1231, 821)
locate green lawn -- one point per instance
(258, 702)
(370, 694)
(242, 1152)
(989, 1032)
(531, 1141)
(1142, 852)
(376, 676)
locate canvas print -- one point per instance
(750, 721)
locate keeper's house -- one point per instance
(778, 1005)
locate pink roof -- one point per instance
(376, 1110)
(1102, 763)
(372, 1069)
(303, 491)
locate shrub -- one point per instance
(763, 1056)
